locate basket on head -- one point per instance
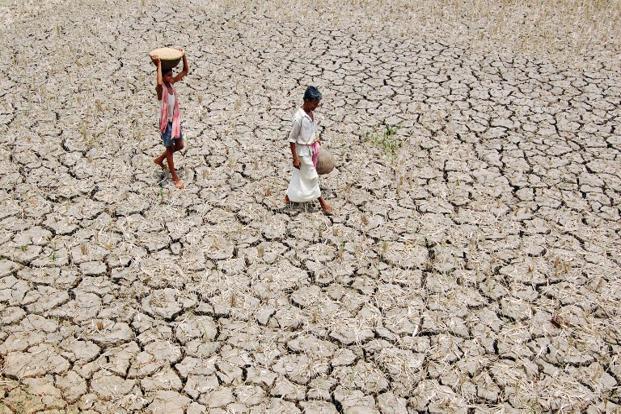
(325, 162)
(168, 56)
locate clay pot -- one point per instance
(325, 162)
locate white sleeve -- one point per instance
(295, 130)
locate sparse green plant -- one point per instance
(386, 140)
(341, 251)
(384, 248)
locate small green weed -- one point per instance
(385, 140)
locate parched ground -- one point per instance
(473, 263)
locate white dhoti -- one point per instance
(304, 183)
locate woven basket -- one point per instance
(325, 162)
(168, 56)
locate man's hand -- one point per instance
(297, 162)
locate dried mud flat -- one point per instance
(472, 264)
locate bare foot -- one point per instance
(327, 209)
(325, 206)
(287, 201)
(179, 183)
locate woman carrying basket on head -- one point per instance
(170, 115)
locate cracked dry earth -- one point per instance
(475, 270)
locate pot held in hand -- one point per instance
(168, 56)
(325, 162)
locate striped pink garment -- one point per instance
(176, 118)
(315, 151)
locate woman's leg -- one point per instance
(160, 160)
(171, 163)
(168, 142)
(171, 167)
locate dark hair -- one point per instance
(167, 71)
(312, 94)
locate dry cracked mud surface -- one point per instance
(472, 264)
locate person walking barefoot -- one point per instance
(170, 116)
(304, 144)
